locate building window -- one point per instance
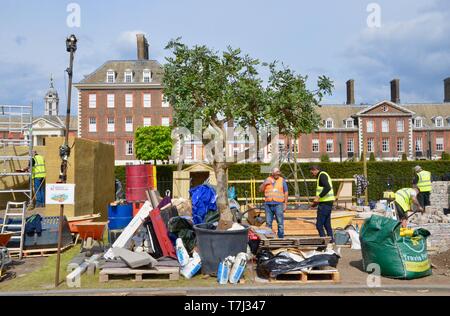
(128, 100)
(349, 123)
(315, 145)
(385, 126)
(439, 122)
(418, 122)
(147, 100)
(419, 144)
(281, 146)
(110, 101)
(111, 142)
(165, 104)
(439, 144)
(92, 101)
(400, 126)
(400, 145)
(92, 125)
(385, 145)
(147, 121)
(128, 124)
(350, 145)
(165, 121)
(370, 145)
(330, 146)
(385, 108)
(370, 127)
(147, 76)
(128, 77)
(110, 127)
(188, 152)
(329, 123)
(129, 147)
(110, 76)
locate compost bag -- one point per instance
(270, 266)
(398, 257)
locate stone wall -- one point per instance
(439, 241)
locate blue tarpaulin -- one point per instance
(203, 200)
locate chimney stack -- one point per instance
(351, 91)
(447, 90)
(142, 47)
(395, 91)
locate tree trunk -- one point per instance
(297, 189)
(226, 218)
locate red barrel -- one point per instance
(139, 179)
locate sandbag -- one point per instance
(398, 257)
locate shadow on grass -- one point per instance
(358, 264)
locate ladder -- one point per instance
(15, 211)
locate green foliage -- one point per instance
(325, 158)
(445, 156)
(404, 157)
(153, 143)
(372, 157)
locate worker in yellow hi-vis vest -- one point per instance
(404, 200)
(38, 176)
(324, 200)
(422, 182)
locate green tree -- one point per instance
(445, 156)
(372, 157)
(404, 157)
(324, 158)
(219, 87)
(153, 143)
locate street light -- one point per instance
(64, 150)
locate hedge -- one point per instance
(399, 174)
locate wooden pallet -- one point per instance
(46, 252)
(313, 276)
(301, 242)
(172, 273)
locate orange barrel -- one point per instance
(139, 179)
(137, 207)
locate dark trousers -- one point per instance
(324, 220)
(424, 199)
(39, 190)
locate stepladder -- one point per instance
(14, 223)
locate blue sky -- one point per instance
(324, 37)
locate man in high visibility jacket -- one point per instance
(404, 199)
(38, 176)
(276, 197)
(422, 181)
(325, 199)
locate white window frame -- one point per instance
(329, 123)
(351, 125)
(111, 73)
(400, 145)
(129, 124)
(110, 122)
(400, 126)
(439, 119)
(92, 125)
(189, 152)
(92, 100)
(129, 150)
(147, 121)
(417, 142)
(165, 119)
(440, 144)
(110, 101)
(147, 100)
(370, 126)
(385, 145)
(128, 100)
(370, 145)
(330, 142)
(418, 122)
(350, 145)
(164, 104)
(147, 74)
(128, 74)
(315, 143)
(385, 126)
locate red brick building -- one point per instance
(119, 97)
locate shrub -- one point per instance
(372, 157)
(325, 158)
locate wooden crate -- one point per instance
(313, 276)
(172, 273)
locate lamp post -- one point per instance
(64, 150)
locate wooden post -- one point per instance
(366, 194)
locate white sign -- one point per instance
(60, 193)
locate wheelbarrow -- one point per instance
(90, 233)
(5, 258)
(74, 221)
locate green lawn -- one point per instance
(43, 278)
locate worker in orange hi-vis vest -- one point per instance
(276, 197)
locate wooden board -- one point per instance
(172, 273)
(30, 253)
(313, 276)
(301, 243)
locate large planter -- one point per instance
(214, 246)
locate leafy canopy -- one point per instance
(153, 143)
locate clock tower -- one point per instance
(51, 100)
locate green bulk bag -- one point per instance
(398, 257)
